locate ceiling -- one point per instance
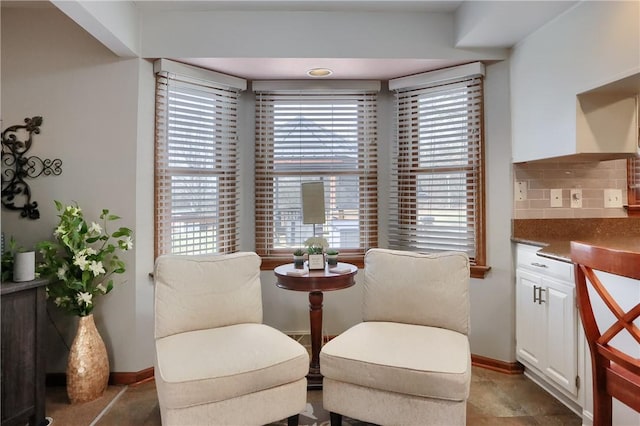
(479, 24)
(296, 68)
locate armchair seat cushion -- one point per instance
(205, 366)
(409, 359)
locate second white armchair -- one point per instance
(409, 362)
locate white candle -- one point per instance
(24, 265)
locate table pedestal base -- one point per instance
(315, 282)
(314, 378)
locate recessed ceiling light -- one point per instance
(319, 72)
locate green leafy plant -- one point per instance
(82, 260)
(298, 252)
(8, 257)
(314, 250)
(332, 252)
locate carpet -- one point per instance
(63, 413)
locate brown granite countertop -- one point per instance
(554, 236)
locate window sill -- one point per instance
(269, 263)
(480, 271)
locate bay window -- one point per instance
(307, 135)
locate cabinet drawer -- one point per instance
(527, 258)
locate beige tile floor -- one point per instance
(495, 399)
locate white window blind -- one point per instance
(436, 201)
(196, 178)
(316, 136)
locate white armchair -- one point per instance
(216, 363)
(409, 362)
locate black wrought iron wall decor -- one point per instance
(17, 166)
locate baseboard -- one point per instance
(497, 365)
(132, 378)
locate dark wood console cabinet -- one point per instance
(23, 356)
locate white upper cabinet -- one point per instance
(607, 118)
(561, 77)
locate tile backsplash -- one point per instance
(592, 178)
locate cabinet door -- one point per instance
(530, 321)
(562, 355)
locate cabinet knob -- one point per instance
(539, 265)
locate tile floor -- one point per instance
(496, 399)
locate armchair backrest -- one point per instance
(201, 292)
(414, 288)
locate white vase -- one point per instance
(24, 266)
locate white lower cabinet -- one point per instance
(562, 351)
(550, 342)
(531, 322)
(547, 322)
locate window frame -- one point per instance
(407, 168)
(208, 144)
(633, 186)
(266, 174)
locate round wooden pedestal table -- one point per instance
(315, 282)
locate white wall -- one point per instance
(113, 23)
(144, 225)
(266, 34)
(493, 299)
(89, 101)
(588, 46)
